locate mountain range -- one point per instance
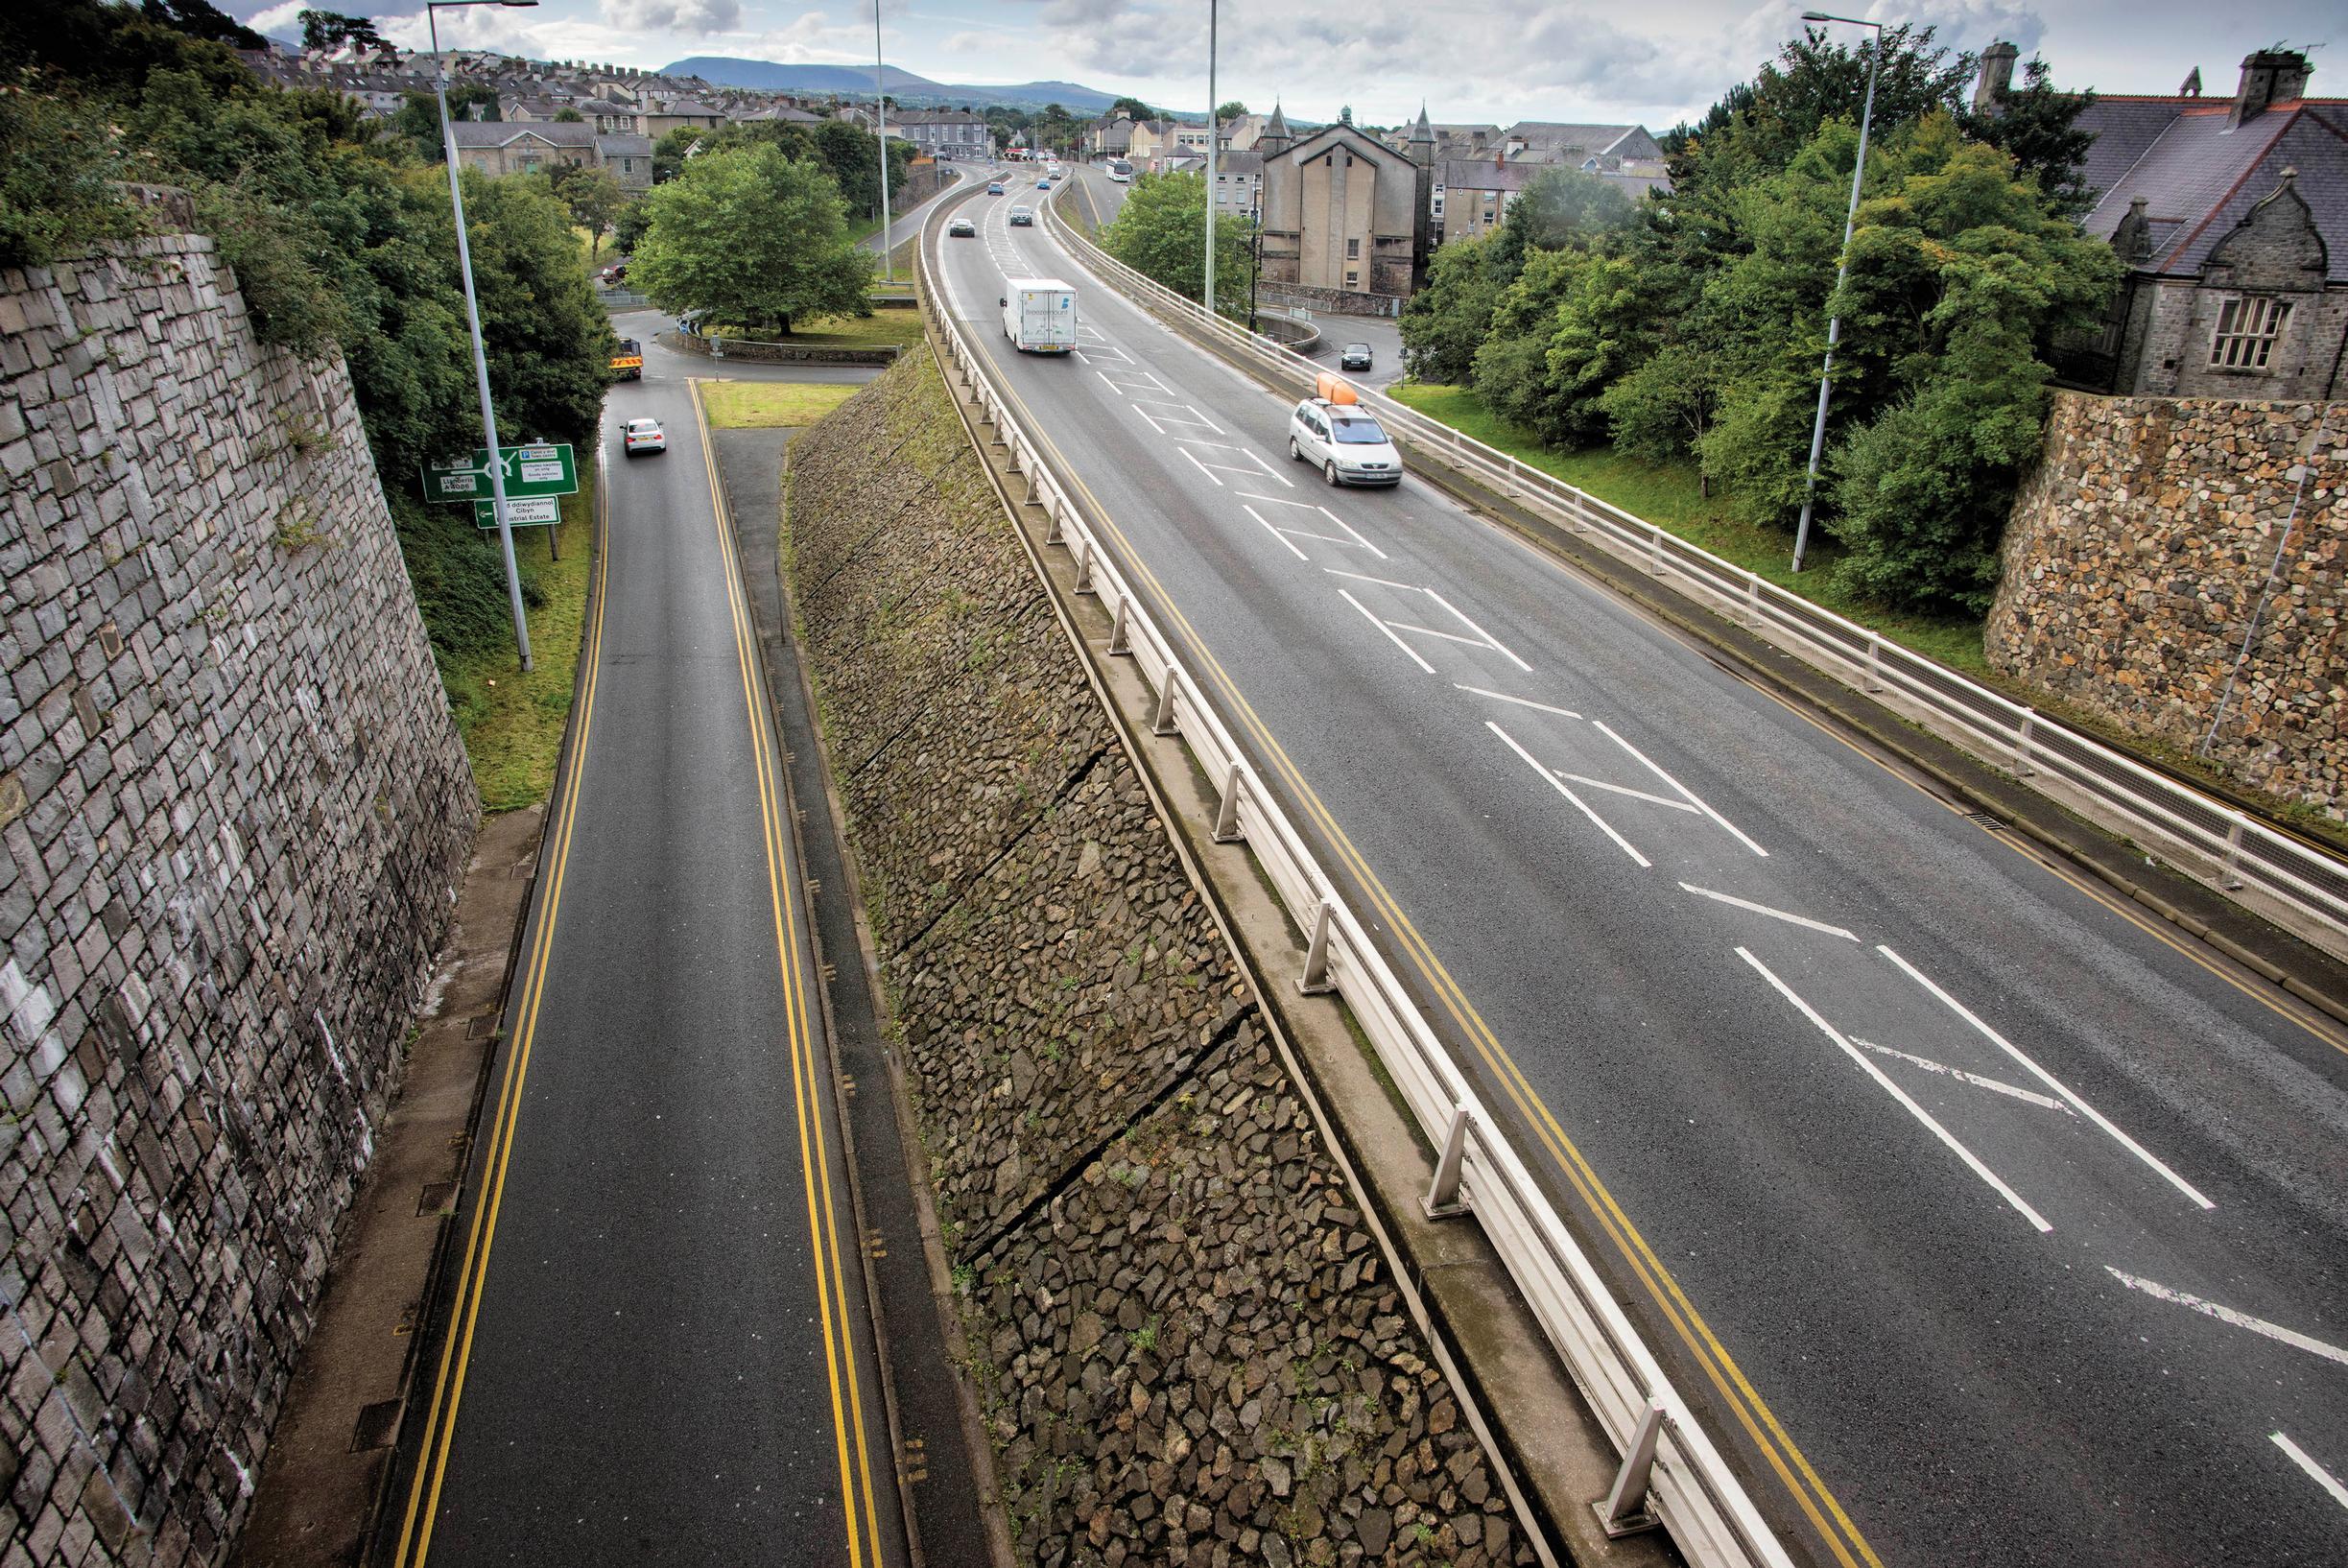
(917, 91)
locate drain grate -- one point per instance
(437, 1198)
(1983, 819)
(377, 1424)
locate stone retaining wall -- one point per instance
(2137, 555)
(1332, 301)
(1182, 1333)
(233, 805)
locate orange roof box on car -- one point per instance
(1332, 389)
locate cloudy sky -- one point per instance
(1469, 59)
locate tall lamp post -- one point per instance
(879, 109)
(472, 312)
(1834, 324)
(1255, 248)
(1211, 139)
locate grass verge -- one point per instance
(1672, 496)
(746, 405)
(513, 722)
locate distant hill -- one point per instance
(904, 86)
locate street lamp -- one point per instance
(1834, 324)
(1211, 139)
(472, 312)
(879, 109)
(1255, 247)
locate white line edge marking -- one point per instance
(1383, 582)
(1282, 501)
(1349, 528)
(2322, 1476)
(1995, 1085)
(1971, 1160)
(1520, 702)
(1257, 457)
(1736, 832)
(1490, 641)
(1664, 802)
(1277, 533)
(1772, 914)
(1447, 636)
(2228, 1315)
(1201, 440)
(1388, 629)
(2047, 1078)
(1558, 784)
(1200, 466)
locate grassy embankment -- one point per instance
(769, 405)
(1670, 495)
(513, 722)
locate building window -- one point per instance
(1353, 250)
(1353, 278)
(2247, 332)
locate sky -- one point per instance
(1468, 61)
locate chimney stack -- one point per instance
(2269, 77)
(1997, 77)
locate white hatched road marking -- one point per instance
(2046, 1101)
(1621, 789)
(1971, 1160)
(1407, 649)
(1689, 795)
(1520, 702)
(2228, 1315)
(1481, 639)
(2047, 1078)
(1560, 786)
(1772, 914)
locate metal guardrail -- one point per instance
(2217, 841)
(1670, 1463)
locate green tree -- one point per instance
(1161, 232)
(592, 196)
(1663, 410)
(1562, 208)
(566, 115)
(628, 226)
(330, 30)
(548, 340)
(1133, 107)
(1511, 370)
(59, 167)
(673, 148)
(2037, 125)
(754, 240)
(1445, 323)
(1231, 111)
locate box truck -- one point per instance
(1039, 315)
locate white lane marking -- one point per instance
(2047, 1078)
(1087, 355)
(1196, 417)
(2047, 1100)
(1314, 506)
(1520, 702)
(1447, 636)
(1735, 831)
(1155, 384)
(1279, 533)
(1489, 640)
(1876, 1073)
(1186, 452)
(1388, 629)
(1282, 501)
(1772, 914)
(1383, 582)
(1201, 440)
(1624, 789)
(2322, 1476)
(2227, 1315)
(1559, 785)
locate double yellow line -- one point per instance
(861, 1519)
(1737, 1394)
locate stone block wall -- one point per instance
(1184, 1338)
(2137, 555)
(233, 809)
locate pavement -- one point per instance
(1963, 1202)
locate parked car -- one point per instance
(644, 436)
(615, 273)
(1025, 218)
(994, 187)
(1355, 357)
(962, 228)
(1344, 441)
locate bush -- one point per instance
(58, 165)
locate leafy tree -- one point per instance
(752, 238)
(1663, 410)
(1133, 107)
(537, 311)
(199, 20)
(1231, 110)
(1511, 370)
(58, 165)
(331, 31)
(566, 115)
(1161, 232)
(1565, 207)
(672, 150)
(591, 195)
(2037, 127)
(1445, 323)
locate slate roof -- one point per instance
(1590, 140)
(622, 144)
(2199, 176)
(495, 133)
(1486, 175)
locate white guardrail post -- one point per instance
(2233, 852)
(1672, 1473)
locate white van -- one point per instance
(1039, 315)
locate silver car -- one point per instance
(1344, 442)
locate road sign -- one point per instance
(531, 513)
(532, 470)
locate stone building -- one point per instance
(1346, 216)
(496, 149)
(945, 132)
(2232, 217)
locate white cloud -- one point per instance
(694, 17)
(284, 20)
(1967, 24)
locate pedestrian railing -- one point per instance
(2207, 837)
(1671, 1471)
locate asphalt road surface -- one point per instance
(1987, 1221)
(661, 1349)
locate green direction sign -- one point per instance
(534, 512)
(530, 471)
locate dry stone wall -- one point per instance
(2138, 556)
(232, 807)
(1185, 1340)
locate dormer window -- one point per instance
(2248, 328)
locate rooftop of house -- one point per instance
(2198, 175)
(496, 133)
